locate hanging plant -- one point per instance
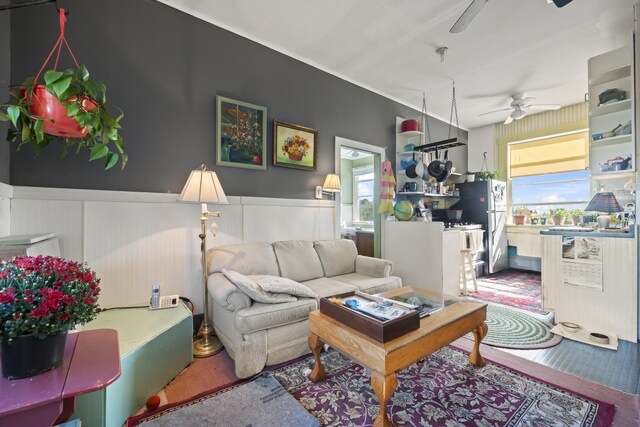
(69, 108)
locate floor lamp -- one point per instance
(204, 187)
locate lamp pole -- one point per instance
(207, 345)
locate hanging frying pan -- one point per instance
(411, 170)
(434, 167)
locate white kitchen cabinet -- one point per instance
(424, 255)
(614, 309)
(611, 70)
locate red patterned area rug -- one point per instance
(440, 390)
(513, 288)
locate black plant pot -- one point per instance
(27, 355)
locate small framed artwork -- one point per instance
(241, 134)
(294, 146)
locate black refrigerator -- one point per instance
(485, 203)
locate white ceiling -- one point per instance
(512, 46)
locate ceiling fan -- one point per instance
(476, 5)
(520, 107)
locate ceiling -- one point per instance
(524, 47)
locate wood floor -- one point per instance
(202, 375)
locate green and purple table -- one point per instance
(91, 362)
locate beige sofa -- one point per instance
(258, 334)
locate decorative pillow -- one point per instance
(255, 292)
(282, 285)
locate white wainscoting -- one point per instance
(612, 310)
(133, 240)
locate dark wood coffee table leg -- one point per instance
(384, 386)
(478, 333)
(318, 373)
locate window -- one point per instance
(550, 173)
(363, 194)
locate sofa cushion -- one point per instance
(337, 256)
(255, 292)
(282, 285)
(326, 287)
(368, 284)
(298, 260)
(248, 258)
(260, 316)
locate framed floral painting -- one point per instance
(241, 134)
(294, 146)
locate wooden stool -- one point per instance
(470, 244)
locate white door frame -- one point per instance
(350, 143)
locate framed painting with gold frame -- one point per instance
(294, 146)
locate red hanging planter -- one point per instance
(57, 122)
(67, 104)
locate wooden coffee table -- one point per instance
(386, 359)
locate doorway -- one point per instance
(359, 167)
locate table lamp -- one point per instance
(331, 186)
(604, 203)
(204, 187)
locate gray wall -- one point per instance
(5, 73)
(164, 69)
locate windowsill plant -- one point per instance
(558, 216)
(519, 215)
(576, 216)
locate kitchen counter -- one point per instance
(630, 235)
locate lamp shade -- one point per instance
(203, 186)
(603, 202)
(332, 183)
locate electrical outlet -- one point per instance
(319, 192)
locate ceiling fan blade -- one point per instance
(509, 120)
(468, 15)
(495, 111)
(528, 100)
(543, 107)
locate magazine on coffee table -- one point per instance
(378, 308)
(418, 301)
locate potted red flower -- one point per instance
(41, 298)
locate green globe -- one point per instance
(403, 210)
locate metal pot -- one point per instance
(411, 170)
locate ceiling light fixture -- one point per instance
(441, 51)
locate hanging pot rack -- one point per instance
(445, 143)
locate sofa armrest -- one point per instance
(226, 294)
(374, 267)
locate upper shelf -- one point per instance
(409, 133)
(603, 142)
(614, 107)
(609, 76)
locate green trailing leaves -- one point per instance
(98, 151)
(84, 99)
(52, 76)
(13, 112)
(112, 159)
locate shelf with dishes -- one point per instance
(599, 175)
(612, 140)
(409, 134)
(611, 108)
